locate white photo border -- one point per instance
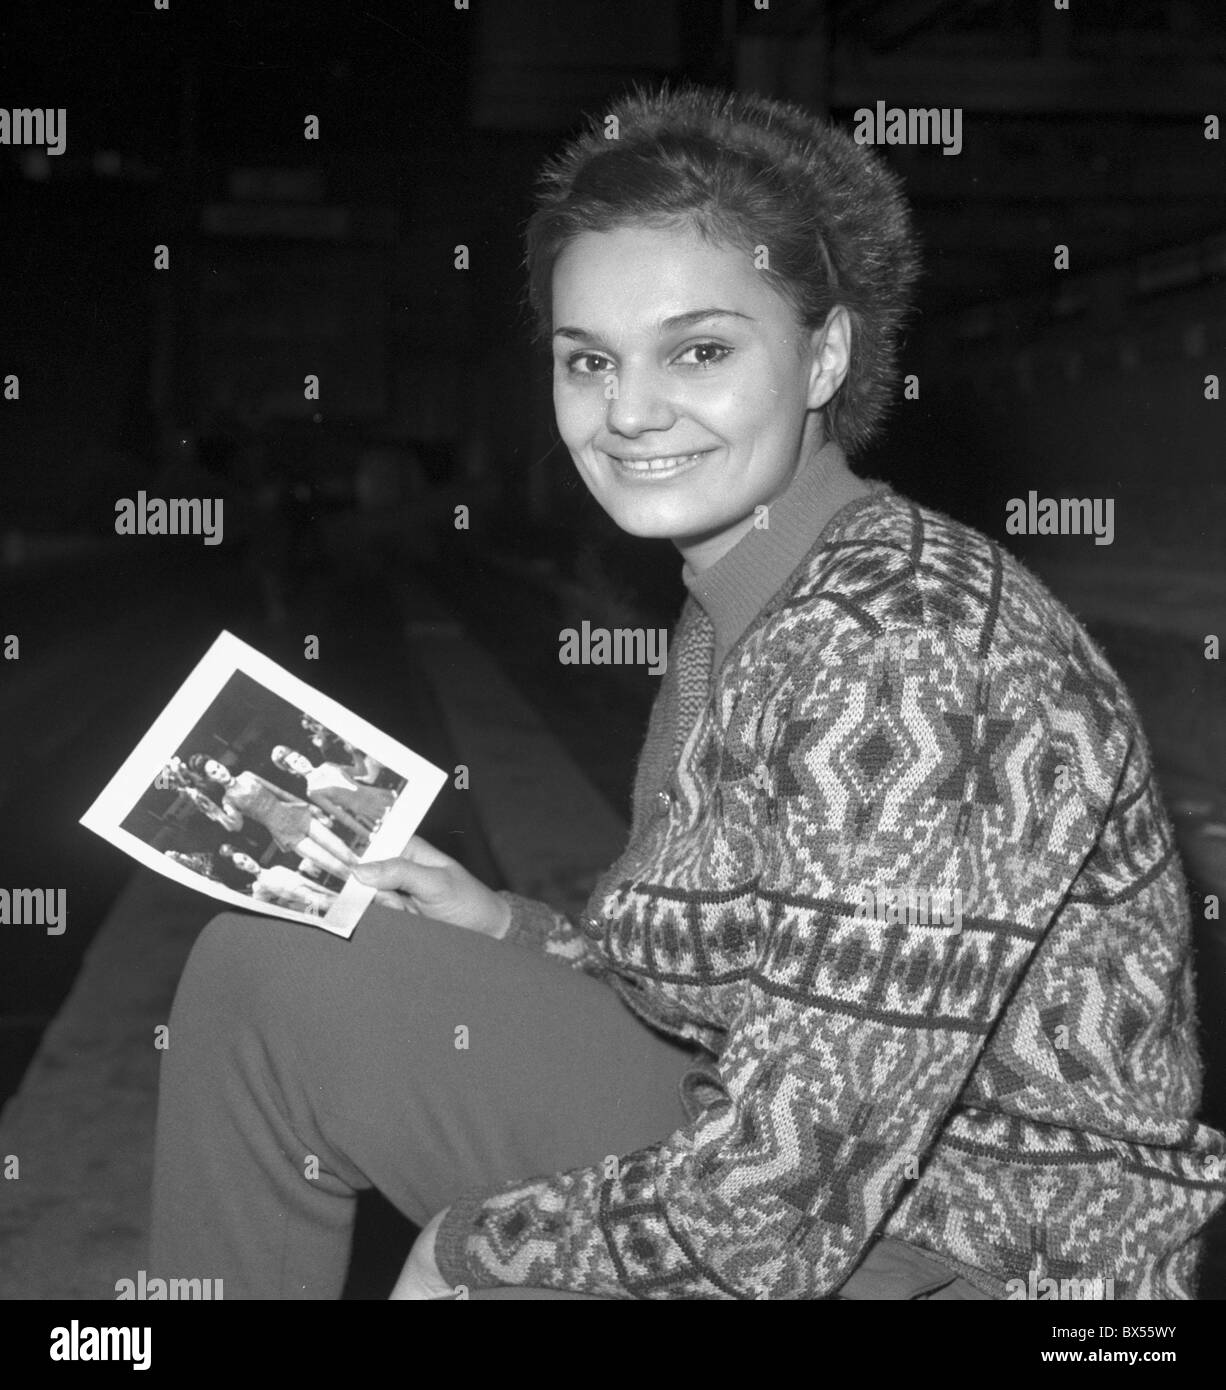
(189, 705)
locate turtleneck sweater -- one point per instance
(724, 599)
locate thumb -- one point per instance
(415, 879)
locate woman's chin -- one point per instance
(650, 524)
(652, 517)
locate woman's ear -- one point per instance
(831, 357)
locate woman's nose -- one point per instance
(638, 401)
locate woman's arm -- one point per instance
(225, 814)
(903, 765)
(558, 935)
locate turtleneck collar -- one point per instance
(733, 591)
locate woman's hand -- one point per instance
(225, 815)
(420, 1279)
(433, 884)
(207, 806)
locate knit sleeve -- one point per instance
(537, 925)
(922, 814)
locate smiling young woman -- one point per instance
(684, 420)
(743, 1085)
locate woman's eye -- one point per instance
(581, 364)
(708, 354)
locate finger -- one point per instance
(423, 852)
(398, 901)
(387, 873)
(398, 874)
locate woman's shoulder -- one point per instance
(892, 564)
(892, 568)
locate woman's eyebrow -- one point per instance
(667, 325)
(697, 316)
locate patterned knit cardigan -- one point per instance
(912, 718)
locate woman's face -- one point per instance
(295, 761)
(682, 420)
(217, 772)
(246, 863)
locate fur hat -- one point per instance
(752, 171)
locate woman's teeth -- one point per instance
(664, 464)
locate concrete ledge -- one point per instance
(81, 1123)
(550, 831)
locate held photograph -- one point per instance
(260, 791)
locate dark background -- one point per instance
(185, 127)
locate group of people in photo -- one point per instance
(326, 828)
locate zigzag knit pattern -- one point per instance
(914, 714)
(684, 691)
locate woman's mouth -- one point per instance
(659, 467)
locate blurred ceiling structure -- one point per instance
(1083, 126)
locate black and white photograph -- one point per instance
(262, 801)
(712, 787)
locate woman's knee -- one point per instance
(237, 960)
(266, 968)
(287, 979)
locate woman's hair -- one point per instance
(228, 871)
(197, 763)
(199, 861)
(278, 758)
(754, 173)
(185, 776)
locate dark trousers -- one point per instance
(303, 1068)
